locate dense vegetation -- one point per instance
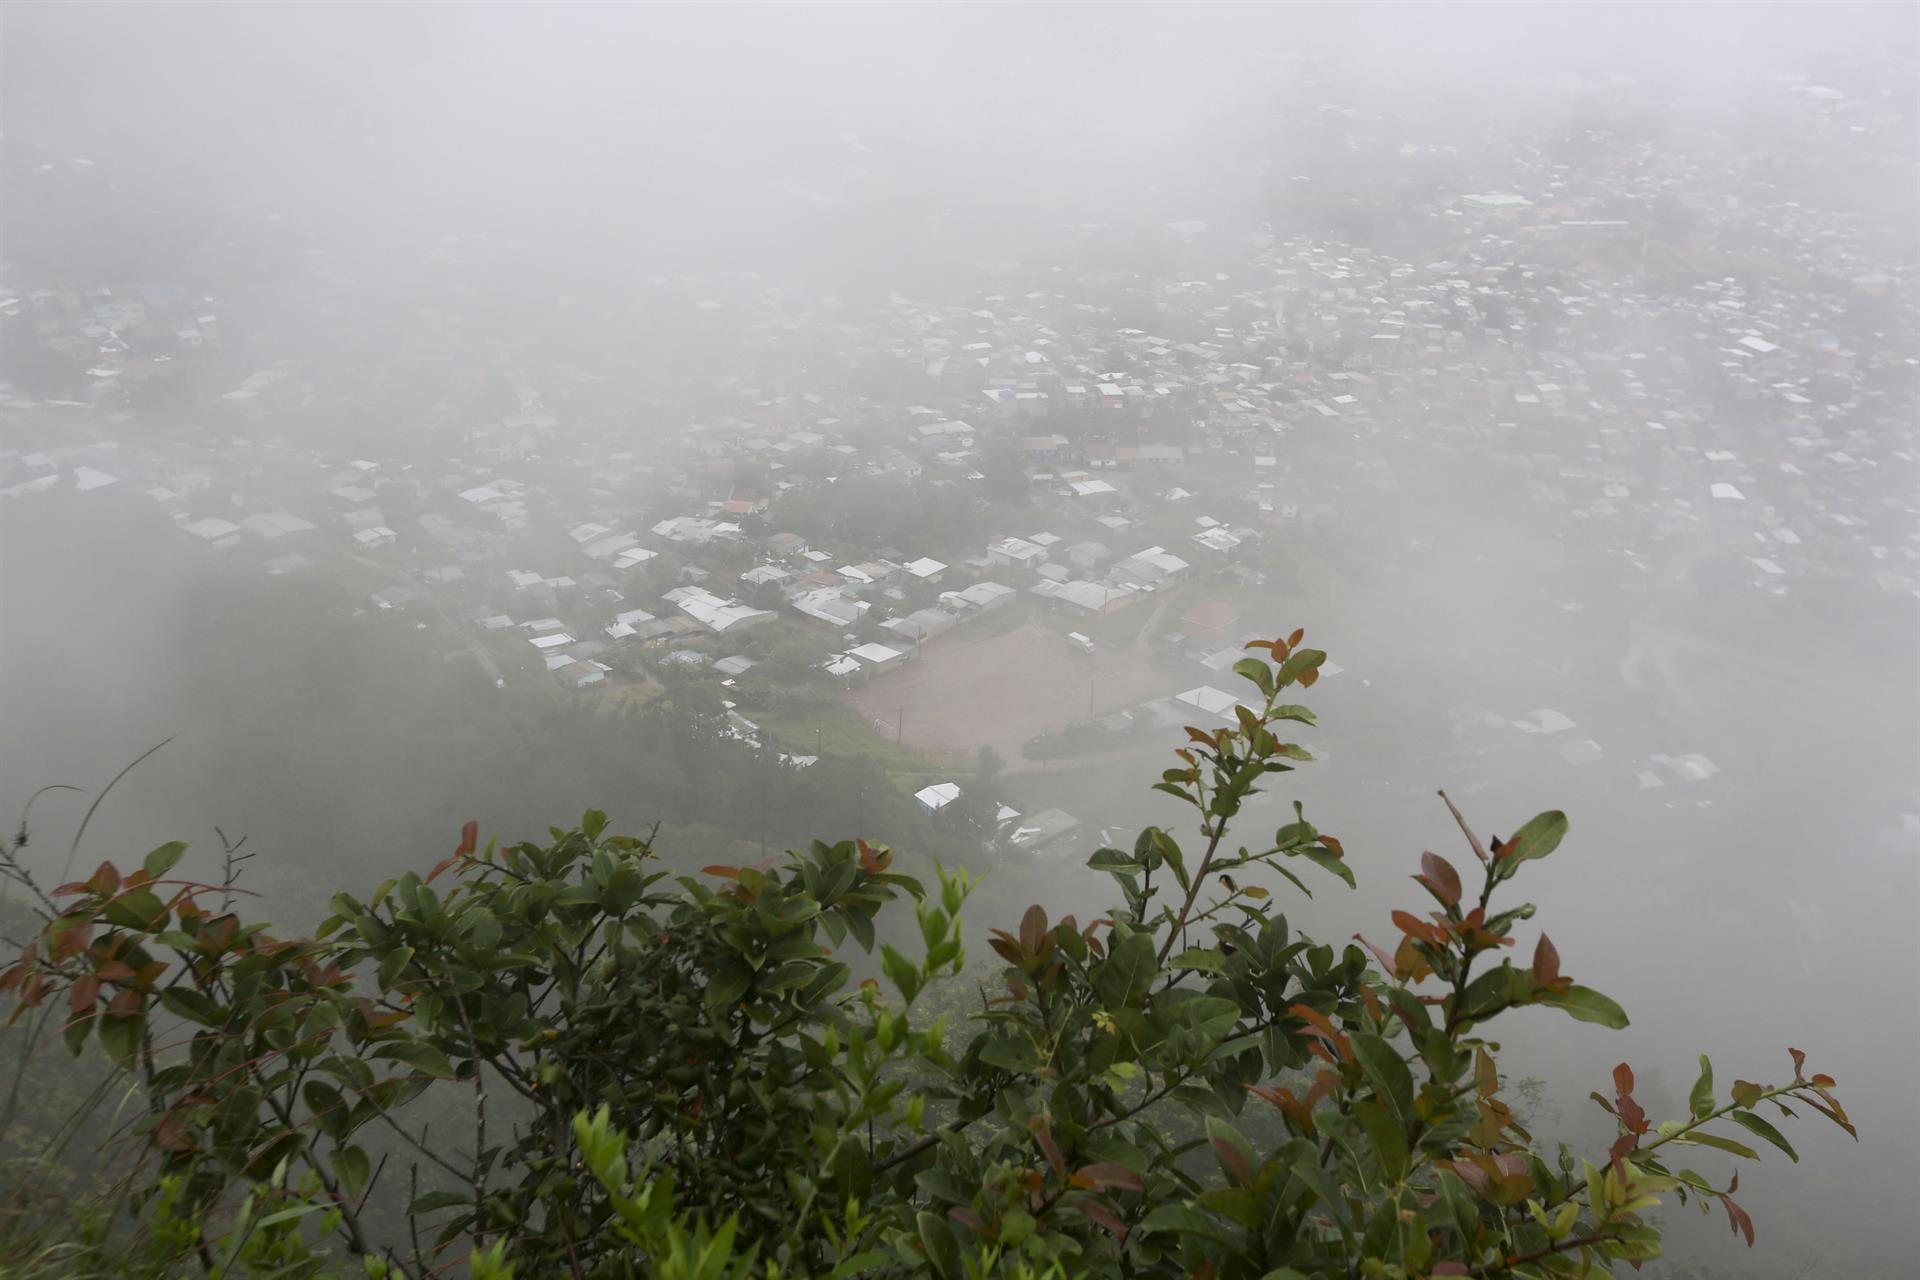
(558, 1058)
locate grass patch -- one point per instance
(826, 726)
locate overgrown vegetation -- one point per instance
(560, 1059)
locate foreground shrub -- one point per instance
(564, 1060)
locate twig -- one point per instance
(74, 848)
(20, 839)
(1520, 1259)
(480, 1108)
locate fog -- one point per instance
(465, 291)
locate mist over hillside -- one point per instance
(767, 422)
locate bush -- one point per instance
(566, 1061)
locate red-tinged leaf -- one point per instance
(1411, 963)
(869, 984)
(1007, 949)
(71, 887)
(105, 880)
(170, 1133)
(1414, 927)
(469, 840)
(1323, 1084)
(1386, 961)
(442, 865)
(1623, 1079)
(725, 873)
(1832, 1111)
(1546, 961)
(1206, 1270)
(1822, 1082)
(83, 994)
(1318, 1021)
(1200, 735)
(1472, 1174)
(874, 858)
(1105, 1174)
(1742, 1224)
(967, 1217)
(1799, 1061)
(1623, 1146)
(1095, 1212)
(1450, 1269)
(1299, 634)
(69, 942)
(1051, 1149)
(125, 1003)
(1236, 1162)
(1440, 877)
(1632, 1116)
(1309, 677)
(1033, 929)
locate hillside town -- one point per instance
(1036, 516)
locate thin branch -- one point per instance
(479, 1178)
(74, 848)
(1521, 1259)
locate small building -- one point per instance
(938, 796)
(877, 657)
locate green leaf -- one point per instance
(351, 1166)
(1206, 961)
(1180, 1219)
(1297, 665)
(1387, 1070)
(137, 909)
(727, 987)
(1326, 860)
(1389, 1142)
(1587, 1005)
(393, 964)
(1111, 860)
(1540, 837)
(163, 859)
(194, 1006)
(1258, 672)
(593, 823)
(1122, 979)
(1755, 1125)
(1293, 711)
(120, 1037)
(1488, 994)
(1701, 1138)
(943, 1251)
(1701, 1100)
(329, 1110)
(424, 1058)
(434, 1201)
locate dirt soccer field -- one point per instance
(1002, 690)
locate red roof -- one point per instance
(1212, 615)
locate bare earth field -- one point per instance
(1001, 690)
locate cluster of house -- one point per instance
(1564, 329)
